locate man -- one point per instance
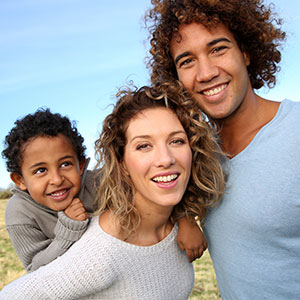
(221, 51)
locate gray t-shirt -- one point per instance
(254, 235)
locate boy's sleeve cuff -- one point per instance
(68, 229)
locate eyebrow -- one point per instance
(44, 163)
(180, 56)
(148, 136)
(37, 165)
(210, 44)
(66, 157)
(216, 41)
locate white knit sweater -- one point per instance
(100, 266)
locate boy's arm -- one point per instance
(35, 249)
(190, 238)
(67, 232)
(32, 246)
(36, 246)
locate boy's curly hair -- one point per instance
(115, 189)
(41, 123)
(252, 23)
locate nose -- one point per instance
(207, 70)
(164, 157)
(56, 178)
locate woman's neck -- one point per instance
(152, 229)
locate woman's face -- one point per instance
(157, 158)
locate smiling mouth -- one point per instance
(215, 91)
(58, 193)
(165, 179)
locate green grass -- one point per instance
(11, 268)
(205, 286)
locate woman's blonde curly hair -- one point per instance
(115, 189)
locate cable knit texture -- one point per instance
(99, 266)
(40, 234)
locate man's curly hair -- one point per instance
(41, 123)
(256, 30)
(115, 188)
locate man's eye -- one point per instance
(185, 62)
(219, 49)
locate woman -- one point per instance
(156, 152)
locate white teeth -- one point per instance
(165, 178)
(58, 194)
(215, 91)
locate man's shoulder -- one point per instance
(289, 111)
(290, 104)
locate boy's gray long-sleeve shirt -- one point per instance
(40, 234)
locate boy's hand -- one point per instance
(76, 210)
(190, 239)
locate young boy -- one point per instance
(46, 160)
(45, 216)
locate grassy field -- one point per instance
(11, 268)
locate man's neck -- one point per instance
(238, 130)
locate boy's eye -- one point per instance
(66, 164)
(40, 171)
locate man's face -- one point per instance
(212, 68)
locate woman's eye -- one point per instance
(142, 146)
(178, 142)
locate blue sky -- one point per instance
(72, 55)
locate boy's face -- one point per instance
(212, 68)
(50, 171)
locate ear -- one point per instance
(82, 166)
(18, 180)
(246, 56)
